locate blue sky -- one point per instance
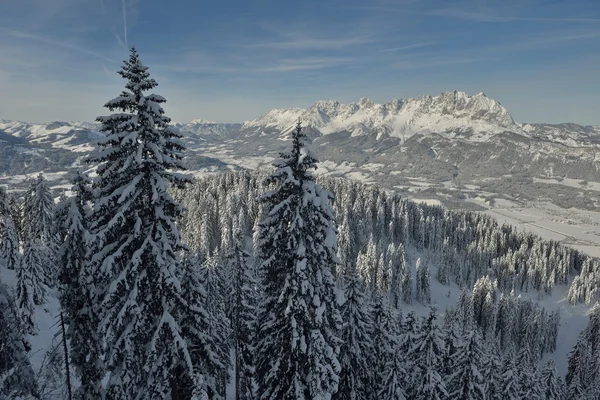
(234, 60)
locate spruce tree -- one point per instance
(427, 353)
(206, 353)
(467, 382)
(243, 320)
(552, 382)
(385, 337)
(16, 214)
(398, 265)
(76, 294)
(509, 378)
(356, 376)
(406, 343)
(38, 213)
(213, 276)
(577, 366)
(30, 273)
(423, 279)
(389, 363)
(134, 241)
(298, 347)
(26, 288)
(17, 379)
(407, 285)
(492, 369)
(9, 247)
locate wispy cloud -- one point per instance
(433, 62)
(124, 10)
(306, 64)
(519, 43)
(55, 42)
(410, 46)
(485, 15)
(479, 16)
(313, 43)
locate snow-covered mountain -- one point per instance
(203, 127)
(568, 134)
(75, 136)
(450, 114)
(449, 141)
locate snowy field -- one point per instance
(572, 227)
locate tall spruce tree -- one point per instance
(356, 377)
(206, 351)
(244, 319)
(9, 246)
(38, 213)
(509, 378)
(552, 382)
(389, 363)
(298, 344)
(76, 293)
(213, 276)
(427, 353)
(134, 241)
(30, 273)
(17, 379)
(467, 381)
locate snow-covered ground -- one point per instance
(573, 318)
(47, 323)
(572, 227)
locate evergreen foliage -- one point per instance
(299, 318)
(134, 242)
(357, 375)
(16, 375)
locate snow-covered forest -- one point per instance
(273, 285)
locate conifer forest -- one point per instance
(274, 284)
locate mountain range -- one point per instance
(434, 146)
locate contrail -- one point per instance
(124, 23)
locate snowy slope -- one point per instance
(47, 336)
(573, 318)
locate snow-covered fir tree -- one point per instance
(38, 213)
(30, 273)
(213, 275)
(407, 286)
(76, 294)
(206, 352)
(244, 319)
(134, 242)
(467, 381)
(492, 369)
(397, 261)
(406, 344)
(298, 343)
(59, 217)
(423, 282)
(509, 378)
(388, 363)
(427, 352)
(9, 246)
(552, 382)
(17, 379)
(9, 242)
(356, 351)
(30, 289)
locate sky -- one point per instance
(233, 60)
